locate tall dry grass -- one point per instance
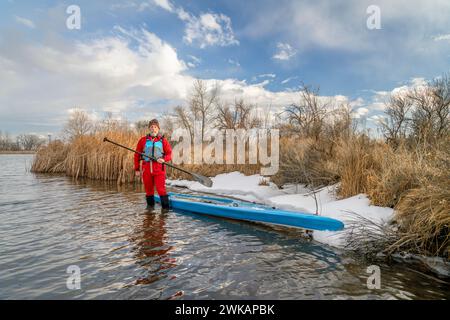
(423, 211)
(352, 161)
(87, 156)
(304, 160)
(412, 181)
(51, 158)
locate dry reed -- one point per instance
(413, 182)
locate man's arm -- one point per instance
(137, 157)
(167, 150)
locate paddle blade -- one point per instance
(203, 180)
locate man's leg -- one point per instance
(149, 187)
(160, 183)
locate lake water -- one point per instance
(50, 223)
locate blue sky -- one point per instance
(138, 58)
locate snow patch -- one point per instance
(234, 184)
(295, 198)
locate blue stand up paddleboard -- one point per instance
(247, 211)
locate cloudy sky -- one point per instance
(138, 58)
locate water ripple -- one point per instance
(49, 223)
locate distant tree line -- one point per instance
(27, 142)
(419, 116)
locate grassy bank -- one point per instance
(408, 169)
(88, 156)
(413, 182)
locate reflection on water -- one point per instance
(126, 252)
(151, 251)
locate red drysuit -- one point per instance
(153, 173)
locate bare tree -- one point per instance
(308, 115)
(30, 141)
(225, 117)
(7, 143)
(109, 123)
(421, 115)
(167, 125)
(397, 123)
(3, 141)
(141, 125)
(441, 101)
(430, 120)
(202, 102)
(78, 124)
(340, 123)
(239, 116)
(185, 120)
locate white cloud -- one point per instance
(165, 4)
(129, 73)
(26, 22)
(342, 26)
(234, 62)
(413, 83)
(288, 79)
(208, 29)
(339, 27)
(360, 112)
(264, 75)
(359, 102)
(377, 119)
(285, 51)
(209, 22)
(195, 59)
(442, 37)
(142, 5)
(42, 81)
(379, 99)
(267, 75)
(418, 82)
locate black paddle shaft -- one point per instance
(143, 154)
(203, 180)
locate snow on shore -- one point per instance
(295, 198)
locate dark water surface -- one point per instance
(48, 223)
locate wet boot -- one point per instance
(150, 202)
(164, 203)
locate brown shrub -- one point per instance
(353, 159)
(423, 212)
(50, 158)
(398, 171)
(304, 160)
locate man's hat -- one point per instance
(154, 122)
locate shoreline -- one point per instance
(17, 152)
(247, 188)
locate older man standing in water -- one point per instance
(153, 172)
